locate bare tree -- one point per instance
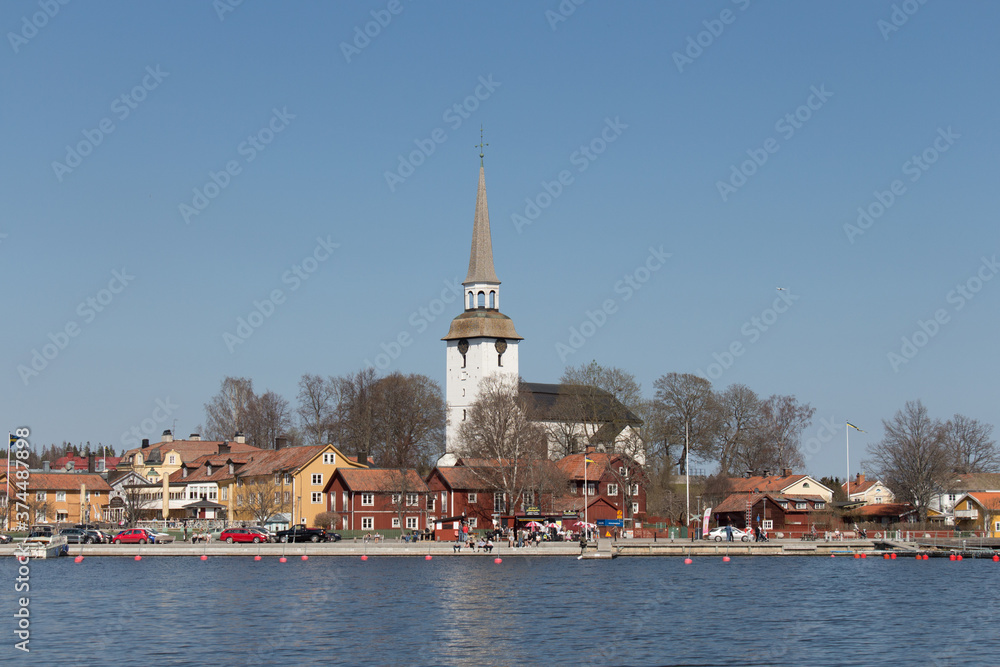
(739, 430)
(403, 486)
(229, 410)
(688, 413)
(138, 502)
(259, 499)
(409, 421)
(597, 405)
(970, 447)
(782, 421)
(357, 411)
(269, 418)
(911, 458)
(717, 488)
(501, 437)
(328, 520)
(317, 408)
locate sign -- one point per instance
(704, 525)
(533, 510)
(619, 514)
(610, 522)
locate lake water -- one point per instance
(470, 611)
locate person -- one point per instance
(489, 545)
(583, 541)
(729, 532)
(757, 534)
(185, 532)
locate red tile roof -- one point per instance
(188, 450)
(80, 462)
(66, 481)
(883, 509)
(382, 480)
(573, 464)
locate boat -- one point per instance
(46, 547)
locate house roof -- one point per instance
(769, 484)
(461, 477)
(988, 500)
(80, 462)
(382, 480)
(198, 469)
(66, 481)
(984, 481)
(737, 502)
(573, 464)
(883, 509)
(188, 450)
(856, 487)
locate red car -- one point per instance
(241, 535)
(133, 536)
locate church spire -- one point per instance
(481, 258)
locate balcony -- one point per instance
(966, 514)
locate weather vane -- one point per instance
(480, 145)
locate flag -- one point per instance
(586, 460)
(13, 441)
(855, 427)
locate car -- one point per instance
(265, 535)
(134, 536)
(160, 537)
(231, 535)
(96, 536)
(719, 534)
(5, 539)
(76, 536)
(333, 537)
(301, 534)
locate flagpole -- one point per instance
(687, 476)
(586, 515)
(7, 484)
(847, 437)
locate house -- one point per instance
(784, 484)
(159, 460)
(378, 499)
(610, 475)
(462, 491)
(777, 512)
(881, 513)
(979, 511)
(870, 492)
(60, 497)
(958, 484)
(90, 463)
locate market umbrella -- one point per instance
(533, 524)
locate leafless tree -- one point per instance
(911, 458)
(258, 499)
(328, 520)
(229, 410)
(782, 422)
(138, 501)
(270, 417)
(317, 408)
(500, 435)
(970, 446)
(410, 421)
(688, 412)
(739, 430)
(717, 488)
(597, 406)
(357, 412)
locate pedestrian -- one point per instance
(185, 532)
(583, 542)
(729, 532)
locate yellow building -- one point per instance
(979, 511)
(58, 497)
(293, 479)
(157, 461)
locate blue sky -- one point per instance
(739, 137)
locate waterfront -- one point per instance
(399, 611)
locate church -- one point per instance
(482, 341)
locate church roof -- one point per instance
(573, 403)
(481, 258)
(482, 323)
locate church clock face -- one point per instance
(463, 347)
(501, 346)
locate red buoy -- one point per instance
(138, 557)
(282, 560)
(498, 560)
(996, 558)
(78, 559)
(926, 556)
(364, 558)
(304, 557)
(951, 557)
(918, 557)
(885, 556)
(833, 555)
(725, 559)
(864, 555)
(428, 557)
(959, 557)
(688, 561)
(857, 555)
(892, 556)
(257, 557)
(204, 557)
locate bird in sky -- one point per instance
(781, 289)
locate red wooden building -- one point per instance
(611, 476)
(379, 499)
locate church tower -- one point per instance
(481, 341)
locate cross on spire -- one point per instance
(480, 145)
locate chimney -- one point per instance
(240, 438)
(168, 436)
(280, 442)
(362, 458)
(145, 443)
(223, 447)
(787, 472)
(767, 473)
(196, 437)
(861, 478)
(45, 466)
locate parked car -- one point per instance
(160, 537)
(301, 534)
(76, 536)
(5, 539)
(134, 536)
(265, 535)
(231, 535)
(719, 534)
(96, 536)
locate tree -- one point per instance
(718, 487)
(409, 421)
(835, 484)
(356, 412)
(259, 499)
(739, 430)
(328, 520)
(229, 410)
(317, 408)
(773, 443)
(269, 418)
(403, 486)
(138, 501)
(501, 438)
(970, 447)
(911, 458)
(688, 413)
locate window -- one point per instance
(329, 458)
(430, 503)
(784, 504)
(819, 505)
(277, 496)
(277, 479)
(612, 489)
(591, 488)
(411, 522)
(367, 523)
(288, 496)
(317, 497)
(60, 496)
(288, 478)
(635, 508)
(878, 500)
(801, 506)
(996, 527)
(635, 489)
(239, 482)
(395, 522)
(317, 478)
(951, 497)
(344, 498)
(394, 499)
(412, 499)
(473, 522)
(805, 485)
(40, 516)
(498, 502)
(172, 459)
(368, 499)
(224, 493)
(40, 495)
(768, 524)
(473, 498)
